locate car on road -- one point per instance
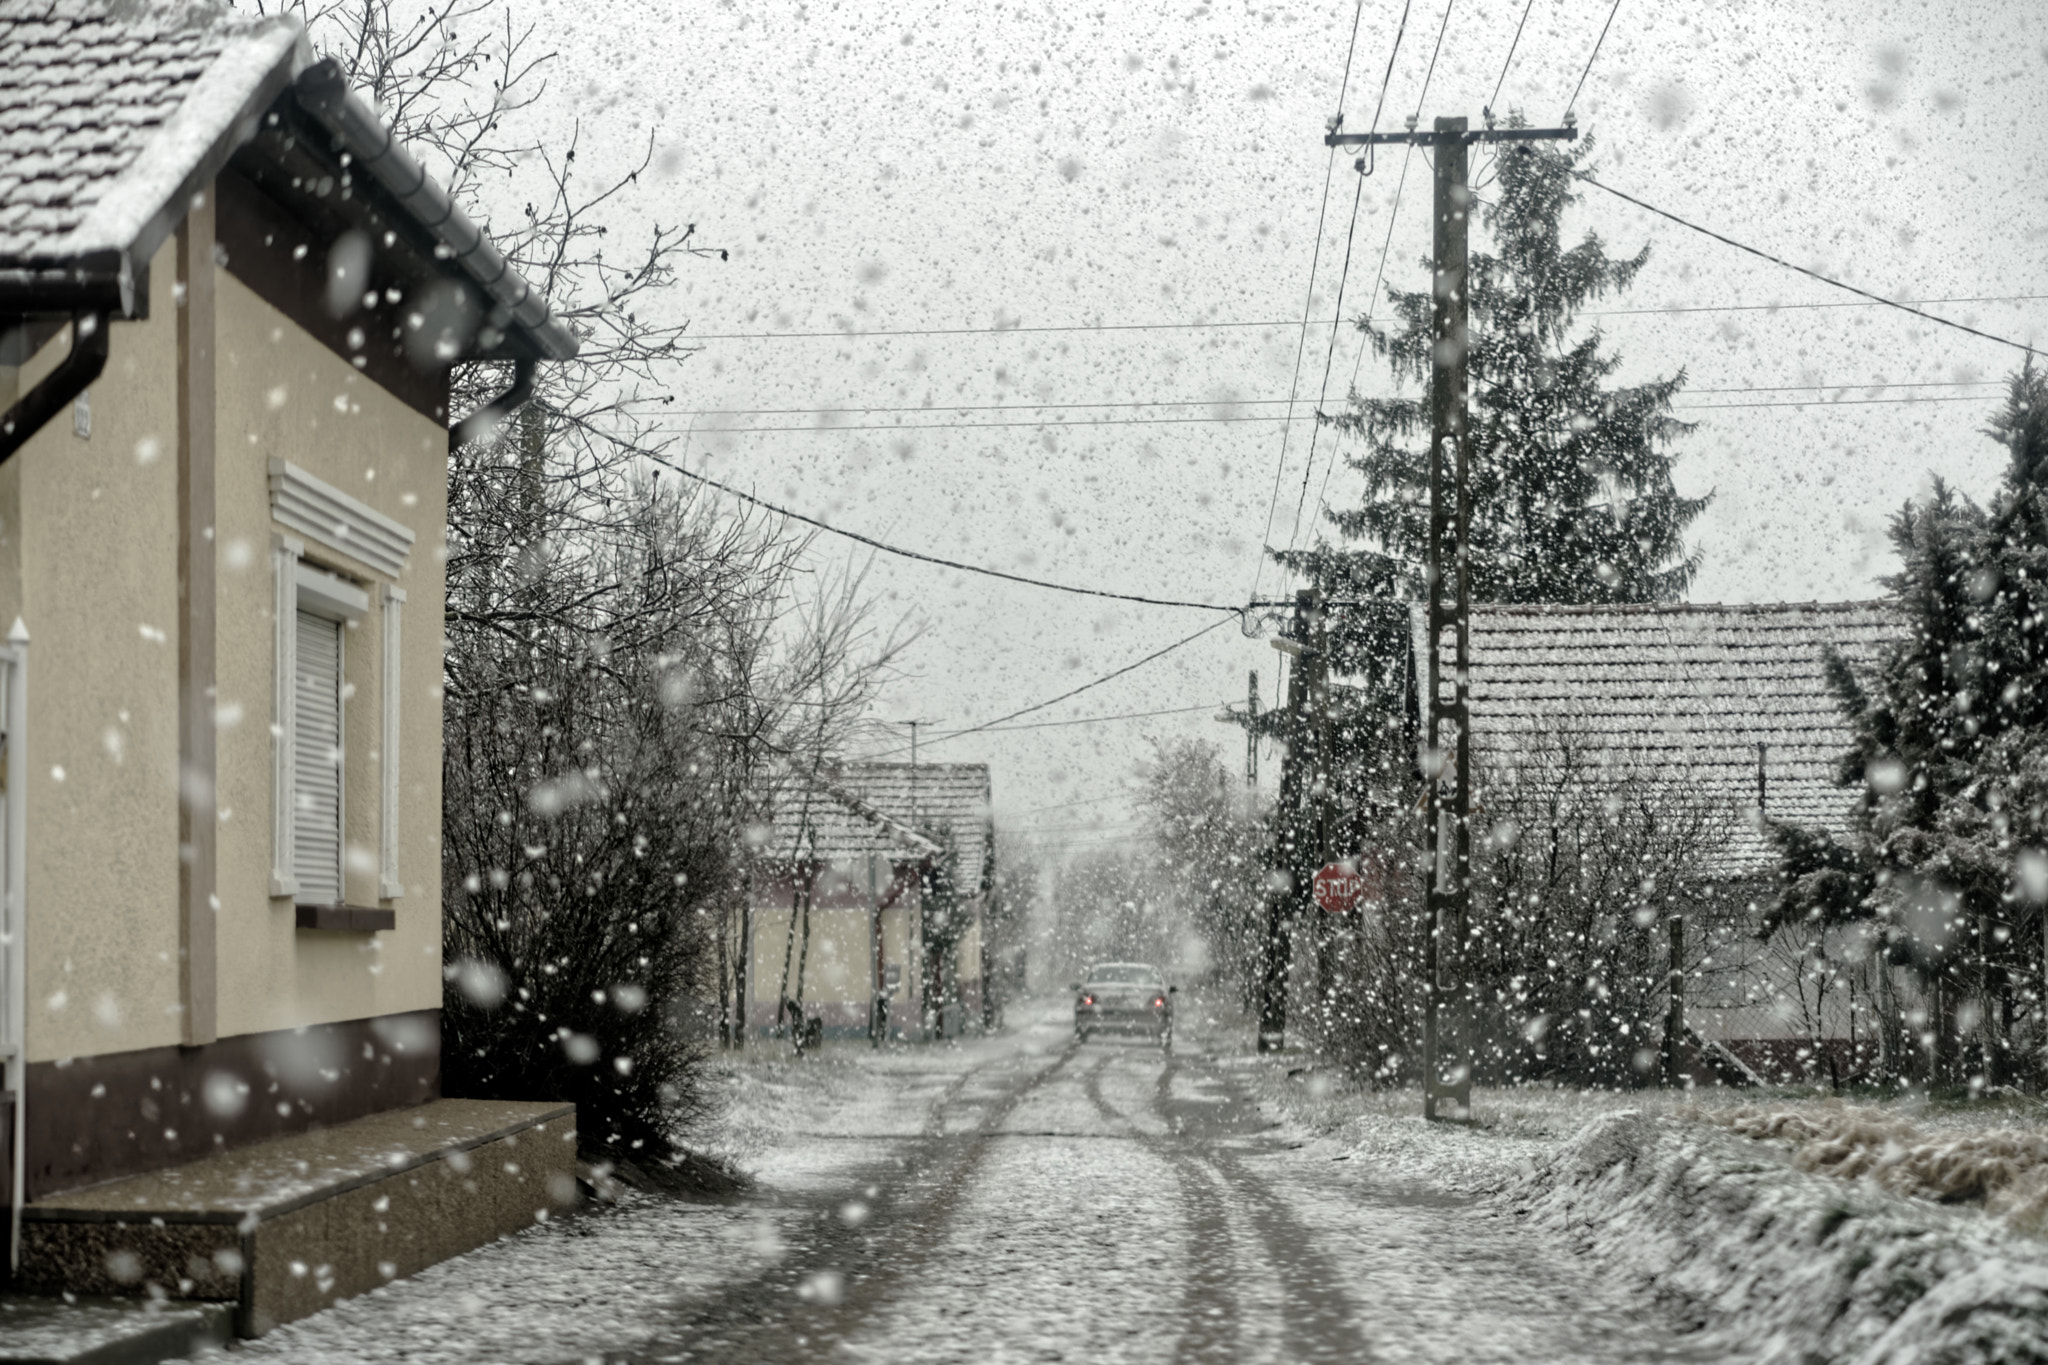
(1124, 997)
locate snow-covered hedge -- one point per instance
(1781, 1265)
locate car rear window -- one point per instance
(1121, 974)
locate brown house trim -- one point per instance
(99, 1118)
(284, 261)
(198, 827)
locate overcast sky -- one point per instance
(1072, 169)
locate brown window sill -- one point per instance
(347, 919)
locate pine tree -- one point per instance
(1572, 492)
(1946, 856)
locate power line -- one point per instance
(1393, 215)
(1789, 307)
(1344, 85)
(1388, 77)
(1812, 274)
(1573, 102)
(1069, 805)
(1308, 467)
(1294, 381)
(1000, 407)
(1073, 692)
(1272, 324)
(1488, 107)
(1097, 720)
(826, 430)
(1055, 424)
(1843, 384)
(953, 426)
(1831, 403)
(919, 555)
(1847, 384)
(1308, 303)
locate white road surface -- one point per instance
(1019, 1198)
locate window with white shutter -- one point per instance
(316, 760)
(314, 610)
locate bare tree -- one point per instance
(1586, 858)
(629, 664)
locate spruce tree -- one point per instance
(1572, 493)
(1946, 853)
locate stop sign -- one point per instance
(1339, 887)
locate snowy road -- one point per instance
(1023, 1198)
(1116, 1203)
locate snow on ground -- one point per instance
(1786, 1266)
(1698, 1203)
(605, 1278)
(1019, 1198)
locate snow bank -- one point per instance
(1782, 1265)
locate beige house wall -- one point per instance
(282, 393)
(91, 566)
(835, 970)
(88, 560)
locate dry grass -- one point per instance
(2005, 1169)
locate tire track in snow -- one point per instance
(1317, 1317)
(1211, 1312)
(847, 1270)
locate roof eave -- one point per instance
(517, 307)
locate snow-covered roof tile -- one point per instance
(932, 797)
(1715, 695)
(153, 87)
(897, 811)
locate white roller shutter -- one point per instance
(316, 754)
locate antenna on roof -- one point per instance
(913, 724)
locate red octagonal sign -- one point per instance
(1339, 887)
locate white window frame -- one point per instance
(300, 586)
(389, 886)
(332, 519)
(284, 705)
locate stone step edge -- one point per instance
(197, 1325)
(248, 1218)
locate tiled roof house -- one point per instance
(1732, 700)
(229, 302)
(1731, 703)
(848, 851)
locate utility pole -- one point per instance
(878, 999)
(1251, 732)
(1294, 836)
(1446, 1027)
(1674, 1008)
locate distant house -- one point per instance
(877, 879)
(1729, 706)
(228, 305)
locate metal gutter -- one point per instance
(83, 365)
(323, 93)
(487, 417)
(98, 282)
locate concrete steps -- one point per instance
(284, 1228)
